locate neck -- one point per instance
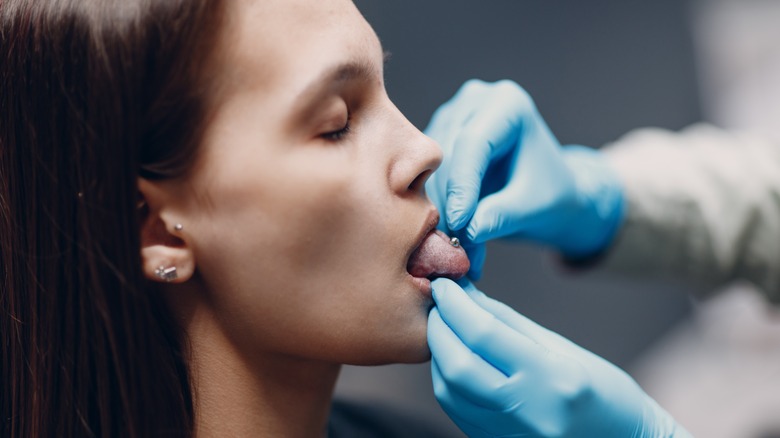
(263, 395)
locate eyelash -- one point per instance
(338, 135)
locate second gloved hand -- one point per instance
(505, 175)
(499, 374)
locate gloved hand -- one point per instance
(505, 174)
(497, 373)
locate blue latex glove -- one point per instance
(497, 373)
(505, 175)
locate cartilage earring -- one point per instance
(178, 227)
(166, 274)
(455, 242)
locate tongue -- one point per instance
(436, 257)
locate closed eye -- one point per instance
(339, 134)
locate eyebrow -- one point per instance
(361, 70)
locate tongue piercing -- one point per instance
(166, 274)
(455, 242)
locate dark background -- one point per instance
(596, 69)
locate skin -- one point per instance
(292, 259)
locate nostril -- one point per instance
(418, 185)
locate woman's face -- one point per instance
(308, 197)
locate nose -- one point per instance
(416, 158)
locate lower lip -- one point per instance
(423, 284)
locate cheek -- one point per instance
(308, 261)
(326, 283)
(288, 234)
(280, 226)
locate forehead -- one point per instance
(277, 45)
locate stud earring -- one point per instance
(178, 227)
(455, 242)
(166, 274)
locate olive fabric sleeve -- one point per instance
(702, 204)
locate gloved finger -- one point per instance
(512, 318)
(444, 135)
(443, 130)
(520, 322)
(452, 115)
(486, 138)
(441, 121)
(477, 254)
(489, 134)
(516, 211)
(478, 420)
(470, 289)
(460, 368)
(457, 407)
(498, 215)
(498, 344)
(445, 127)
(534, 185)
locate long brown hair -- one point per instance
(93, 94)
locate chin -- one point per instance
(406, 349)
(421, 355)
(413, 347)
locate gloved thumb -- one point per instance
(463, 186)
(496, 216)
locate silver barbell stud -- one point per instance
(166, 274)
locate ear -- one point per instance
(166, 254)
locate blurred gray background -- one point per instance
(597, 69)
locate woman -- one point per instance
(206, 208)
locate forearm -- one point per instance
(703, 205)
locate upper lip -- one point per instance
(431, 221)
